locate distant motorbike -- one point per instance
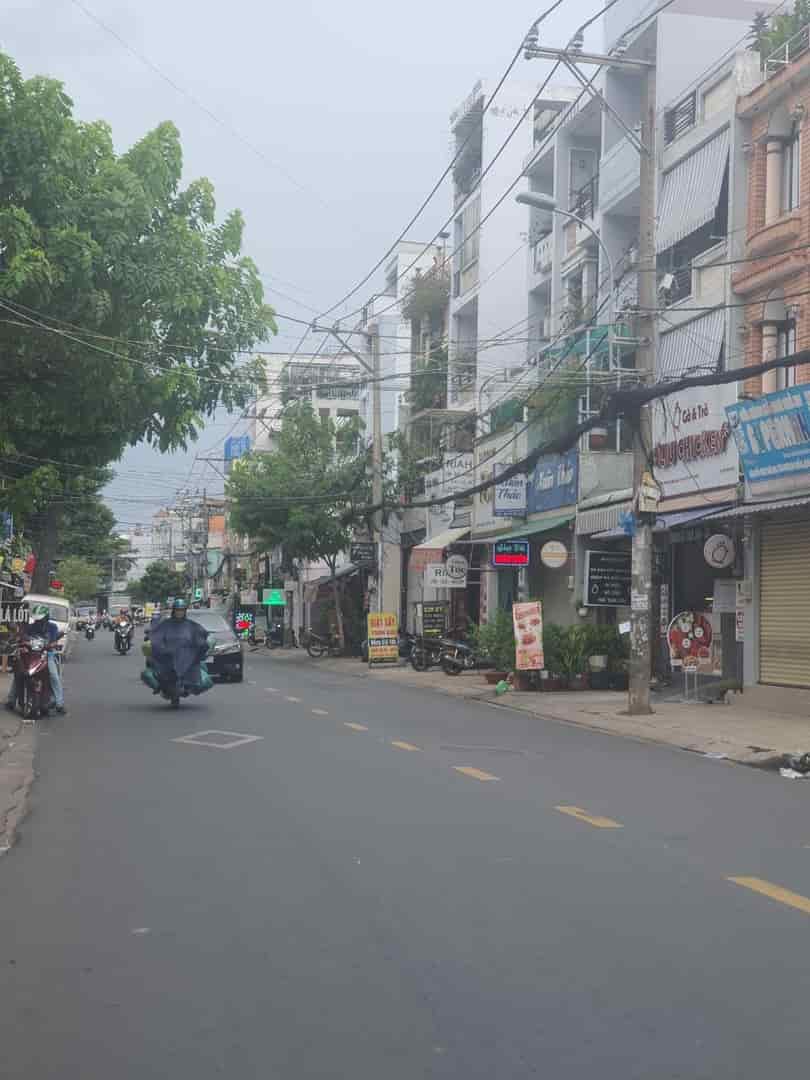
(90, 631)
(426, 652)
(318, 646)
(458, 656)
(123, 637)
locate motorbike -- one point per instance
(123, 638)
(458, 656)
(90, 631)
(168, 685)
(318, 646)
(426, 652)
(33, 681)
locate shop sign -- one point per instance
(244, 623)
(455, 474)
(510, 495)
(363, 553)
(434, 619)
(510, 553)
(383, 638)
(719, 551)
(274, 598)
(449, 575)
(607, 579)
(693, 449)
(772, 434)
(527, 620)
(695, 644)
(554, 554)
(553, 482)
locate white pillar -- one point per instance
(770, 334)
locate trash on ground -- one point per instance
(791, 774)
(800, 763)
(716, 755)
(502, 687)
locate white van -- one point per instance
(60, 614)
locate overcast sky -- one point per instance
(346, 105)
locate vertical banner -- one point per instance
(527, 620)
(383, 638)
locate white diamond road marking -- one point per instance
(234, 737)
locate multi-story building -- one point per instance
(771, 422)
(332, 383)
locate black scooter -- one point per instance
(458, 656)
(123, 638)
(89, 631)
(426, 652)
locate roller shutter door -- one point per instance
(784, 599)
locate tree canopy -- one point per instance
(80, 578)
(158, 583)
(124, 305)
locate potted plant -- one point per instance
(573, 657)
(551, 676)
(496, 640)
(602, 644)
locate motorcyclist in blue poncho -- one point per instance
(178, 647)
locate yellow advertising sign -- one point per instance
(383, 637)
(528, 623)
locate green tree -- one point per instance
(79, 577)
(124, 306)
(301, 495)
(158, 583)
(770, 32)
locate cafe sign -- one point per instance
(693, 448)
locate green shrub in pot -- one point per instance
(496, 639)
(574, 651)
(552, 648)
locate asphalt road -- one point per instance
(388, 883)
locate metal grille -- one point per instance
(680, 118)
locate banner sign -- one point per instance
(553, 482)
(244, 622)
(510, 553)
(607, 578)
(434, 619)
(692, 446)
(527, 620)
(383, 638)
(363, 553)
(772, 434)
(510, 496)
(449, 575)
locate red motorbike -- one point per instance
(32, 679)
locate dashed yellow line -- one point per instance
(774, 892)
(355, 727)
(405, 745)
(591, 819)
(476, 774)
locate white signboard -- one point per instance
(693, 450)
(439, 576)
(510, 496)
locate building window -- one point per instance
(786, 346)
(790, 171)
(680, 118)
(471, 222)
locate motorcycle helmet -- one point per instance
(39, 611)
(179, 604)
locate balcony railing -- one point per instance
(584, 201)
(542, 254)
(789, 51)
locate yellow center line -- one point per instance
(476, 774)
(295, 699)
(404, 745)
(591, 819)
(320, 712)
(775, 892)
(355, 727)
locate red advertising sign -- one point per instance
(528, 623)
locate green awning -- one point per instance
(528, 528)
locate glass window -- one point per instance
(790, 171)
(785, 346)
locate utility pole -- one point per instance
(641, 588)
(376, 443)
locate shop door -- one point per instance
(784, 599)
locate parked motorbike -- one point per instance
(32, 679)
(123, 637)
(318, 646)
(458, 656)
(426, 652)
(89, 631)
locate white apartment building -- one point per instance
(331, 382)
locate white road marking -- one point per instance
(320, 712)
(234, 739)
(297, 700)
(272, 690)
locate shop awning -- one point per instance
(430, 550)
(692, 348)
(690, 192)
(663, 523)
(760, 508)
(529, 528)
(601, 518)
(311, 587)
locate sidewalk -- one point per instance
(17, 745)
(741, 733)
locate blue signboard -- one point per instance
(236, 446)
(553, 482)
(773, 439)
